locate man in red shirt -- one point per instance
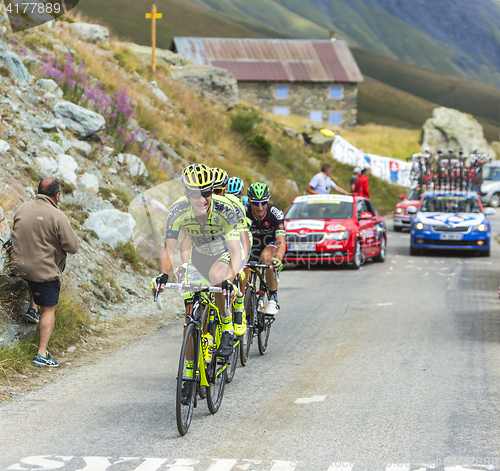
(361, 187)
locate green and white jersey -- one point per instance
(211, 238)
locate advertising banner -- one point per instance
(386, 168)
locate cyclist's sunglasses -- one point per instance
(259, 203)
(196, 195)
(219, 191)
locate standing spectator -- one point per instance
(361, 187)
(321, 183)
(357, 173)
(41, 238)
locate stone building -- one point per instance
(315, 79)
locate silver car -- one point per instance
(490, 189)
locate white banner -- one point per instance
(391, 170)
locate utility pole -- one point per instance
(153, 16)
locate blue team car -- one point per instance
(450, 221)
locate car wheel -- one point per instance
(495, 200)
(357, 257)
(382, 255)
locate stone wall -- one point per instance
(303, 97)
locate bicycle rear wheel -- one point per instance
(217, 375)
(246, 339)
(184, 412)
(264, 332)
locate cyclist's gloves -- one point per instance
(160, 280)
(227, 285)
(277, 263)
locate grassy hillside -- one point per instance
(380, 103)
(480, 100)
(180, 18)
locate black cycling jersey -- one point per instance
(265, 230)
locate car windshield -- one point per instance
(450, 204)
(491, 173)
(414, 195)
(328, 209)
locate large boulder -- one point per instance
(82, 121)
(90, 32)
(451, 129)
(163, 56)
(212, 83)
(16, 66)
(112, 226)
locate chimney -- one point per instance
(332, 36)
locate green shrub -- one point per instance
(261, 144)
(128, 253)
(244, 122)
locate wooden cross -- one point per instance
(153, 16)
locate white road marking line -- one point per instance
(284, 465)
(222, 465)
(398, 467)
(409, 266)
(443, 274)
(480, 263)
(419, 268)
(391, 268)
(425, 274)
(385, 304)
(341, 467)
(308, 400)
(244, 467)
(394, 261)
(150, 464)
(411, 261)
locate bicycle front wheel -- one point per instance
(233, 360)
(246, 339)
(185, 405)
(217, 375)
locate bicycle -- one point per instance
(201, 342)
(258, 322)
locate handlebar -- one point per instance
(261, 265)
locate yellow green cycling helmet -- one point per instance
(220, 177)
(197, 177)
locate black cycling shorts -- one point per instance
(203, 263)
(45, 294)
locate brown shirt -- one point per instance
(41, 237)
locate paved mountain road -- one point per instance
(395, 363)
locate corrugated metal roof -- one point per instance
(288, 60)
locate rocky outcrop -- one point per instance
(90, 32)
(112, 226)
(134, 165)
(16, 66)
(451, 129)
(83, 122)
(211, 83)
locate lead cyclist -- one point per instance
(211, 224)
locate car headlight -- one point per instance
(342, 235)
(485, 188)
(420, 226)
(398, 211)
(480, 228)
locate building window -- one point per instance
(281, 91)
(335, 117)
(336, 93)
(280, 111)
(316, 116)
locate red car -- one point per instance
(334, 229)
(401, 218)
